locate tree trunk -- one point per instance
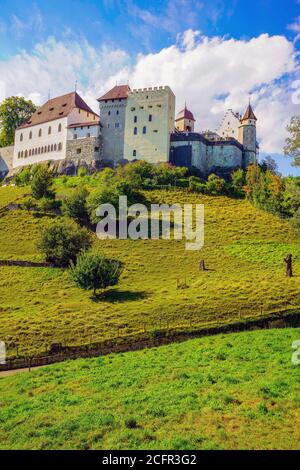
(202, 265)
(289, 268)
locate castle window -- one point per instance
(108, 126)
(45, 149)
(109, 113)
(96, 149)
(55, 147)
(49, 148)
(30, 153)
(135, 119)
(21, 138)
(42, 150)
(75, 136)
(40, 133)
(135, 131)
(78, 151)
(52, 148)
(30, 135)
(150, 117)
(144, 130)
(26, 154)
(88, 134)
(22, 154)
(134, 153)
(49, 130)
(39, 150)
(59, 146)
(88, 114)
(59, 128)
(117, 125)
(117, 112)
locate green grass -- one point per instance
(237, 391)
(243, 252)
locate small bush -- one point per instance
(215, 185)
(131, 423)
(75, 206)
(62, 241)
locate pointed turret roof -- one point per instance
(185, 114)
(249, 114)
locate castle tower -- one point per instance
(247, 136)
(185, 121)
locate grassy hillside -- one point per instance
(237, 391)
(243, 251)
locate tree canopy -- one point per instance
(14, 111)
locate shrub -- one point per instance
(62, 241)
(24, 177)
(166, 174)
(48, 205)
(41, 183)
(110, 195)
(82, 171)
(94, 271)
(215, 185)
(131, 423)
(75, 206)
(29, 204)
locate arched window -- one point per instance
(144, 130)
(117, 112)
(49, 148)
(42, 150)
(30, 153)
(55, 147)
(30, 135)
(39, 150)
(59, 128)
(21, 138)
(49, 130)
(26, 154)
(40, 133)
(19, 154)
(45, 149)
(22, 154)
(135, 131)
(52, 148)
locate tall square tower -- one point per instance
(149, 123)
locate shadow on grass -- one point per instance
(119, 296)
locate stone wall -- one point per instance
(88, 149)
(6, 160)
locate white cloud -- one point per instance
(210, 74)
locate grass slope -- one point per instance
(243, 252)
(237, 391)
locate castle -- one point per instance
(133, 125)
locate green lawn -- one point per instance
(236, 391)
(243, 252)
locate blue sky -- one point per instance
(99, 43)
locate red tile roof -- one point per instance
(185, 114)
(57, 108)
(117, 92)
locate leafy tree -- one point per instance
(165, 174)
(75, 206)
(238, 181)
(41, 183)
(292, 143)
(94, 271)
(268, 163)
(14, 111)
(136, 173)
(62, 241)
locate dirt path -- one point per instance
(7, 373)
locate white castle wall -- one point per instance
(44, 147)
(154, 144)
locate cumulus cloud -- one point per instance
(210, 74)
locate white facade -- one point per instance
(46, 141)
(149, 123)
(82, 131)
(230, 125)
